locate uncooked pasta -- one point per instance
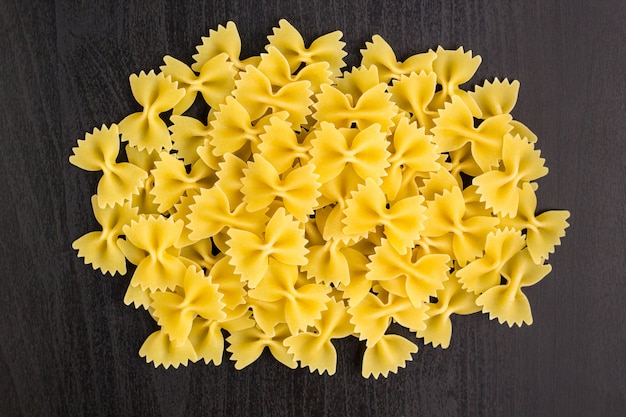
(312, 202)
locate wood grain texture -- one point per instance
(68, 345)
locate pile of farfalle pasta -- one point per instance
(314, 204)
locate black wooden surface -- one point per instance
(68, 345)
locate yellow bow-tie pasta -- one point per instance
(315, 203)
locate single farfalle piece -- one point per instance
(453, 68)
(175, 312)
(162, 351)
(297, 188)
(233, 128)
(380, 54)
(413, 93)
(500, 189)
(215, 81)
(98, 152)
(327, 48)
(455, 127)
(313, 348)
(247, 345)
(161, 269)
(364, 150)
(276, 67)
(304, 303)
(223, 40)
(402, 221)
(171, 180)
(372, 315)
(543, 231)
(157, 94)
(484, 273)
(342, 110)
(211, 213)
(255, 93)
(446, 214)
(100, 248)
(507, 302)
(421, 277)
(451, 299)
(283, 241)
(281, 147)
(413, 153)
(497, 97)
(388, 354)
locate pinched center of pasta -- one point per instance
(315, 204)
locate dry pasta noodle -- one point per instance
(313, 204)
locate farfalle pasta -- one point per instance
(101, 248)
(98, 152)
(175, 313)
(215, 80)
(313, 203)
(156, 93)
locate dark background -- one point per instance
(68, 344)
